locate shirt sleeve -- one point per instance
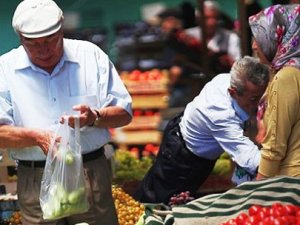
(280, 115)
(112, 90)
(230, 136)
(6, 111)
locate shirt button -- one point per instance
(54, 99)
(56, 121)
(274, 92)
(274, 107)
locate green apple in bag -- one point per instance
(66, 154)
(76, 195)
(69, 158)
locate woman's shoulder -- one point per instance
(287, 77)
(288, 72)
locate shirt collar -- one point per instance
(239, 111)
(23, 61)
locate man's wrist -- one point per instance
(97, 118)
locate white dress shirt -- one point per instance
(213, 123)
(32, 98)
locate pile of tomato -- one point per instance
(276, 214)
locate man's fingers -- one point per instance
(81, 108)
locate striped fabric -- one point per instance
(217, 208)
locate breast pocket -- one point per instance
(90, 100)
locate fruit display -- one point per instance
(15, 219)
(276, 214)
(142, 151)
(149, 75)
(128, 210)
(146, 82)
(144, 119)
(128, 167)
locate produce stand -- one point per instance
(9, 210)
(215, 209)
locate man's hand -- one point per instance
(86, 116)
(44, 140)
(260, 176)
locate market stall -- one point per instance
(216, 209)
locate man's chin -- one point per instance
(45, 63)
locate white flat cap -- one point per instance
(37, 18)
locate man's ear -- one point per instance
(232, 91)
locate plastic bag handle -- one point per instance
(77, 131)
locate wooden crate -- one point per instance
(146, 87)
(143, 123)
(140, 137)
(158, 101)
(148, 82)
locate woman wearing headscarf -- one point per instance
(276, 33)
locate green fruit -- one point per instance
(69, 159)
(222, 167)
(54, 208)
(76, 195)
(224, 155)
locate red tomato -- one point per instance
(278, 221)
(143, 76)
(264, 223)
(137, 72)
(253, 210)
(149, 147)
(298, 214)
(231, 222)
(253, 219)
(289, 220)
(290, 209)
(137, 112)
(268, 220)
(261, 214)
(276, 205)
(241, 218)
(266, 211)
(149, 113)
(279, 211)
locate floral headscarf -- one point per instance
(276, 30)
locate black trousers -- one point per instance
(176, 169)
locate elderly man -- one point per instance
(211, 124)
(41, 80)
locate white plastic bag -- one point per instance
(63, 192)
